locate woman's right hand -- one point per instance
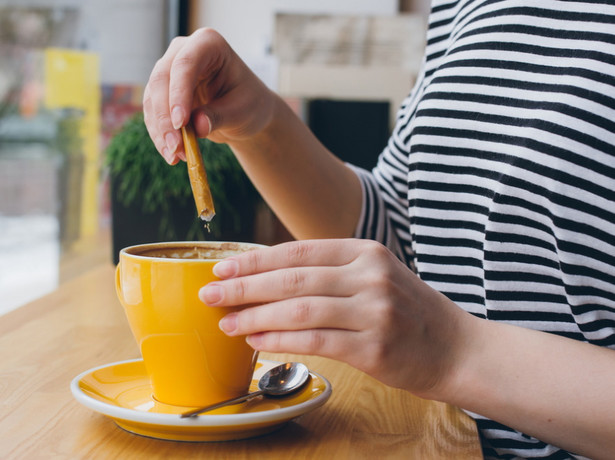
(202, 78)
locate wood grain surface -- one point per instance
(44, 344)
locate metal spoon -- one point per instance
(277, 381)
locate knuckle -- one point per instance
(369, 245)
(162, 119)
(239, 291)
(206, 33)
(373, 255)
(176, 42)
(372, 250)
(160, 73)
(183, 61)
(292, 281)
(384, 314)
(315, 341)
(376, 250)
(379, 284)
(253, 261)
(302, 312)
(298, 252)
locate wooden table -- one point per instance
(44, 344)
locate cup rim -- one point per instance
(170, 244)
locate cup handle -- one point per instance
(118, 285)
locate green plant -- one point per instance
(146, 180)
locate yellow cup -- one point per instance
(189, 360)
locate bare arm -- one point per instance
(313, 192)
(556, 389)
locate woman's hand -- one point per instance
(353, 301)
(200, 76)
(349, 300)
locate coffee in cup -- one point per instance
(189, 360)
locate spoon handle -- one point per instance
(228, 402)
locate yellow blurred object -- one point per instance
(72, 80)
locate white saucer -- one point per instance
(122, 391)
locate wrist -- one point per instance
(273, 114)
(459, 368)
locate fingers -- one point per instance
(169, 96)
(294, 254)
(156, 109)
(294, 315)
(342, 299)
(193, 74)
(322, 342)
(276, 285)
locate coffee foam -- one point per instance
(190, 250)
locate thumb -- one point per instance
(215, 117)
(202, 122)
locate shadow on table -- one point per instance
(292, 437)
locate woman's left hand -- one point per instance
(350, 300)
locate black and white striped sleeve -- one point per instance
(378, 217)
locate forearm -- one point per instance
(314, 193)
(555, 389)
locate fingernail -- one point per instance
(228, 324)
(172, 141)
(226, 268)
(211, 294)
(209, 125)
(177, 117)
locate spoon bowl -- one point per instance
(283, 379)
(280, 380)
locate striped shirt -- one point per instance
(497, 185)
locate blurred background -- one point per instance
(72, 74)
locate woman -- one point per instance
(491, 281)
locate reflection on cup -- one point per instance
(189, 360)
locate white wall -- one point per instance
(129, 36)
(248, 24)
